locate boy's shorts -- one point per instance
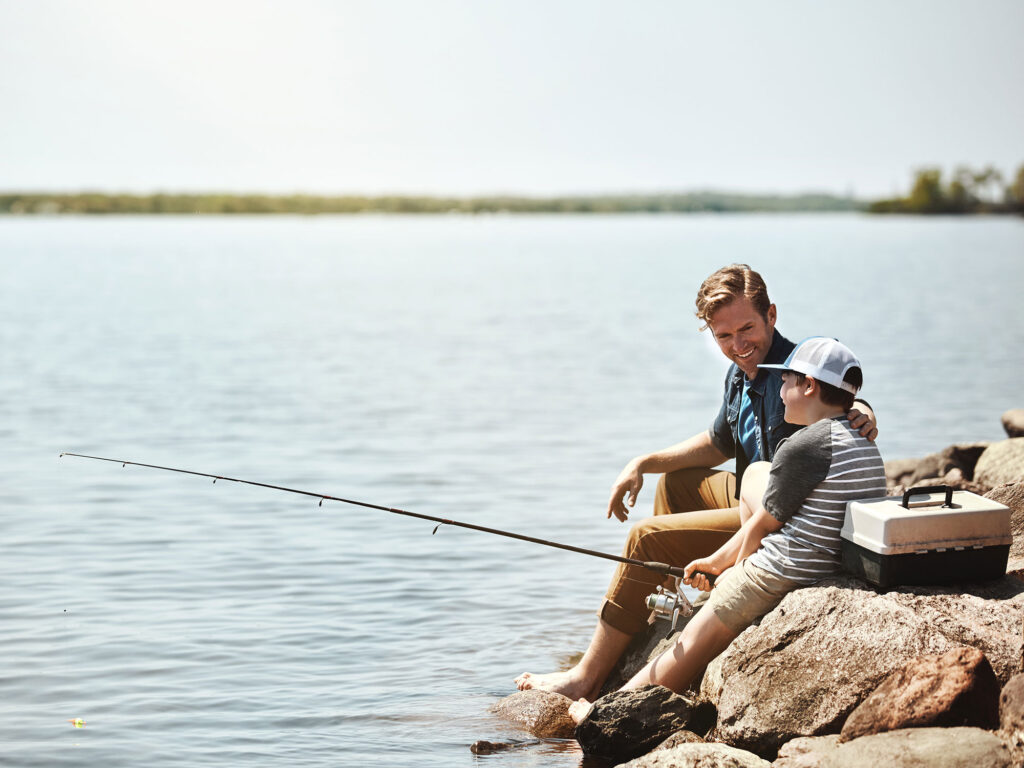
(746, 593)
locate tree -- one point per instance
(1016, 190)
(926, 195)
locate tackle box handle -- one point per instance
(929, 489)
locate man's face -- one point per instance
(743, 335)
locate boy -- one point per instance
(791, 511)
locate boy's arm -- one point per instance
(760, 524)
(713, 564)
(742, 544)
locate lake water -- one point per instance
(497, 370)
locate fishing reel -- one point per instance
(664, 603)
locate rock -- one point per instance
(898, 471)
(908, 472)
(955, 479)
(1011, 705)
(1013, 422)
(698, 756)
(924, 747)
(806, 751)
(626, 724)
(1002, 462)
(542, 713)
(644, 646)
(955, 688)
(680, 737)
(490, 747)
(1015, 567)
(821, 652)
(1012, 495)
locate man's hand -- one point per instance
(863, 419)
(698, 571)
(628, 485)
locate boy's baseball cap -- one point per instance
(823, 359)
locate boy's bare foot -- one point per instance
(579, 710)
(569, 683)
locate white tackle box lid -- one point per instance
(887, 527)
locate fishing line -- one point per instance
(662, 568)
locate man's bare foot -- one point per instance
(569, 683)
(579, 710)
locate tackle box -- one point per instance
(933, 535)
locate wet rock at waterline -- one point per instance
(626, 724)
(542, 713)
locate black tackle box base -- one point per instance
(932, 568)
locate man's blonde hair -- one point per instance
(730, 283)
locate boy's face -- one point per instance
(794, 397)
(743, 334)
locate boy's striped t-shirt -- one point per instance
(814, 474)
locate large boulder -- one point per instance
(1013, 422)
(821, 652)
(1002, 462)
(1012, 495)
(924, 747)
(626, 724)
(542, 713)
(698, 756)
(955, 688)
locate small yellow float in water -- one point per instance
(77, 722)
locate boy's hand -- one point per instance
(698, 573)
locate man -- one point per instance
(733, 302)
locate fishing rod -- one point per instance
(662, 568)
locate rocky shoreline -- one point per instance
(840, 673)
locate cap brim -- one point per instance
(776, 366)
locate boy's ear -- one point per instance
(811, 386)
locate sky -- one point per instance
(467, 97)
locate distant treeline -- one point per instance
(695, 202)
(967, 191)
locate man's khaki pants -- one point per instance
(694, 514)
